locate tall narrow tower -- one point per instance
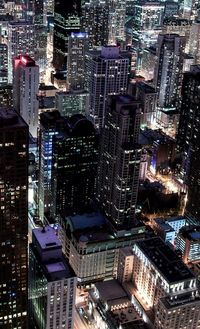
(168, 70)
(66, 20)
(107, 74)
(13, 219)
(118, 175)
(25, 90)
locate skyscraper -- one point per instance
(52, 282)
(107, 74)
(76, 61)
(21, 40)
(118, 174)
(97, 12)
(117, 15)
(168, 70)
(75, 153)
(66, 20)
(188, 138)
(14, 219)
(3, 64)
(51, 123)
(25, 90)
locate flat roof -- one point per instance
(46, 238)
(191, 233)
(79, 222)
(165, 260)
(10, 118)
(110, 290)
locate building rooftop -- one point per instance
(79, 222)
(191, 233)
(180, 300)
(164, 225)
(48, 250)
(46, 238)
(110, 290)
(10, 118)
(165, 260)
(146, 88)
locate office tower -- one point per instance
(52, 282)
(25, 90)
(194, 41)
(118, 174)
(50, 7)
(40, 25)
(148, 97)
(97, 12)
(188, 242)
(74, 169)
(188, 138)
(148, 17)
(21, 40)
(107, 74)
(3, 64)
(6, 95)
(72, 102)
(147, 64)
(66, 20)
(117, 15)
(178, 26)
(51, 123)
(171, 9)
(168, 70)
(14, 219)
(40, 12)
(76, 61)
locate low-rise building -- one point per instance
(92, 247)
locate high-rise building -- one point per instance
(66, 20)
(179, 26)
(97, 12)
(75, 153)
(168, 70)
(52, 282)
(72, 102)
(116, 25)
(25, 90)
(194, 41)
(107, 74)
(6, 95)
(51, 123)
(148, 97)
(3, 64)
(188, 138)
(14, 219)
(118, 174)
(76, 61)
(148, 17)
(21, 40)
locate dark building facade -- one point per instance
(118, 174)
(66, 20)
(188, 139)
(13, 219)
(96, 12)
(74, 166)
